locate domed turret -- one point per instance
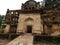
(31, 5)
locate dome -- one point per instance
(30, 4)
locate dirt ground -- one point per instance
(3, 41)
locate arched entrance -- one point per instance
(29, 25)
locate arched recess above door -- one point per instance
(29, 21)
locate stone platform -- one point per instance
(25, 39)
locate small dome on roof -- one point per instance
(30, 5)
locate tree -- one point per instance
(50, 4)
(1, 18)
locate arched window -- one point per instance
(32, 8)
(11, 12)
(29, 19)
(29, 8)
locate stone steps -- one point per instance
(25, 39)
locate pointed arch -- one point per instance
(28, 19)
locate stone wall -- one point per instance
(6, 30)
(54, 30)
(30, 19)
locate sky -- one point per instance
(11, 5)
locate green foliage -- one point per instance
(47, 39)
(1, 18)
(51, 4)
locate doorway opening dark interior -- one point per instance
(29, 29)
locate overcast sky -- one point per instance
(11, 4)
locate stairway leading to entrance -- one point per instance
(25, 39)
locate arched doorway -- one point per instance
(29, 25)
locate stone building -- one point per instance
(32, 19)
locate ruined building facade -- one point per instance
(32, 19)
